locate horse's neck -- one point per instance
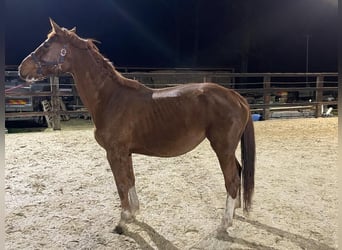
(95, 81)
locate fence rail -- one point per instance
(301, 91)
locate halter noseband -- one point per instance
(58, 63)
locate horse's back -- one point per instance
(201, 102)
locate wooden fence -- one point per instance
(266, 92)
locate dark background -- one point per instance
(248, 35)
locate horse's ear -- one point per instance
(55, 26)
(73, 30)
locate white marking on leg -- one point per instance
(227, 219)
(126, 216)
(133, 200)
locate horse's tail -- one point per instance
(248, 163)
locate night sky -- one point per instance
(248, 35)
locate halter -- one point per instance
(58, 63)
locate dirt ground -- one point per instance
(60, 193)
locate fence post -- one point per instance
(206, 78)
(267, 97)
(319, 95)
(55, 105)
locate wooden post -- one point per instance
(206, 78)
(55, 105)
(319, 95)
(267, 97)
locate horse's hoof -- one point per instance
(222, 234)
(118, 230)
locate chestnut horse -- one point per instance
(132, 118)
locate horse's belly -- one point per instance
(169, 147)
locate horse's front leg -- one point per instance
(122, 168)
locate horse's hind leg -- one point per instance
(121, 165)
(232, 184)
(225, 151)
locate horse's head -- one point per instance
(52, 57)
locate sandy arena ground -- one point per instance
(60, 193)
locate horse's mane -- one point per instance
(108, 65)
(105, 65)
